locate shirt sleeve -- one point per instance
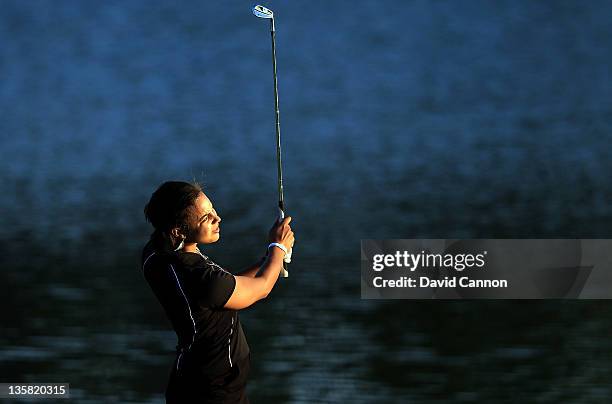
(216, 287)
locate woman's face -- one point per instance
(206, 229)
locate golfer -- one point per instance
(201, 298)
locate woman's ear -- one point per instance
(176, 233)
(177, 237)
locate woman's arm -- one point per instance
(249, 290)
(252, 270)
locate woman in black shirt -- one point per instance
(200, 297)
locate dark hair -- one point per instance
(170, 206)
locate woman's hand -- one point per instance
(281, 233)
(249, 290)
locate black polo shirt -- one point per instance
(193, 290)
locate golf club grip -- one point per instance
(284, 273)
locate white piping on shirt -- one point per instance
(188, 308)
(229, 340)
(208, 260)
(145, 261)
(190, 315)
(229, 344)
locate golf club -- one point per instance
(262, 12)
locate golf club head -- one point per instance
(262, 12)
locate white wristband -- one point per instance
(279, 245)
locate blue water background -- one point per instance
(400, 119)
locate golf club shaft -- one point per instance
(277, 116)
(281, 202)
